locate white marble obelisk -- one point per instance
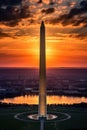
(42, 74)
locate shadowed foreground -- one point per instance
(78, 120)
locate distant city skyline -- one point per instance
(66, 32)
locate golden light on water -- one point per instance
(33, 100)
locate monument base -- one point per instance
(28, 117)
(48, 117)
(42, 118)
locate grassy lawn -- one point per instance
(78, 119)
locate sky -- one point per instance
(66, 32)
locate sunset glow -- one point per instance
(66, 34)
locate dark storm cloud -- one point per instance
(12, 11)
(80, 36)
(80, 32)
(40, 1)
(10, 2)
(48, 11)
(79, 10)
(2, 34)
(76, 16)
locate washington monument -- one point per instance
(42, 110)
(42, 105)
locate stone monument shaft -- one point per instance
(42, 74)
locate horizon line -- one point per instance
(47, 67)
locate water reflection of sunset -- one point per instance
(50, 100)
